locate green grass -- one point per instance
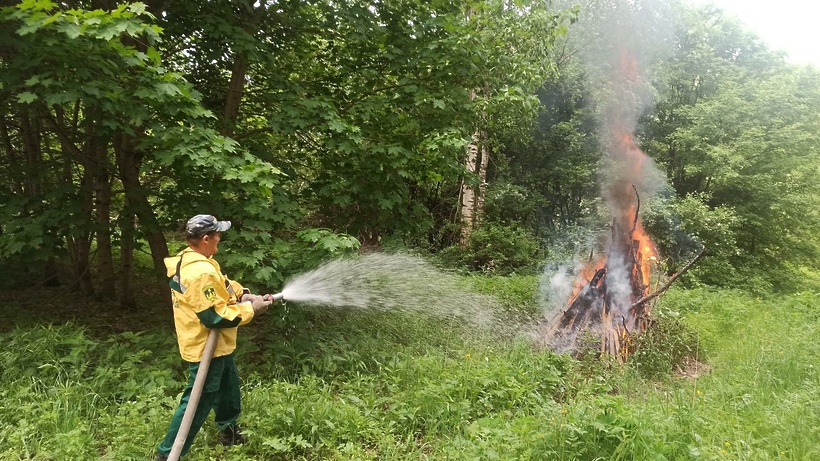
(348, 385)
(761, 397)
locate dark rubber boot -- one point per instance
(231, 436)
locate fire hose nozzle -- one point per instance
(276, 297)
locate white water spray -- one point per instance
(391, 283)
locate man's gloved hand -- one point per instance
(260, 304)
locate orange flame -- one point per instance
(647, 255)
(585, 276)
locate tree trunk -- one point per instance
(50, 275)
(235, 91)
(11, 155)
(472, 203)
(482, 178)
(82, 241)
(79, 246)
(31, 143)
(102, 193)
(129, 160)
(30, 131)
(32, 184)
(236, 87)
(468, 192)
(126, 292)
(78, 241)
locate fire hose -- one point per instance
(199, 384)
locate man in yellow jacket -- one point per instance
(204, 298)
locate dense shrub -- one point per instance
(263, 262)
(667, 344)
(496, 249)
(508, 204)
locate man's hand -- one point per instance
(260, 304)
(248, 298)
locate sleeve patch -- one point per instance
(209, 292)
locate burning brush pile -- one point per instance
(610, 296)
(613, 291)
(614, 288)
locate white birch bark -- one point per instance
(468, 192)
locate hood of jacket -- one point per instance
(188, 256)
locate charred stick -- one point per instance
(668, 284)
(597, 277)
(637, 210)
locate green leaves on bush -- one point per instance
(666, 345)
(496, 249)
(263, 262)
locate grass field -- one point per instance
(346, 385)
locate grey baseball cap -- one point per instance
(202, 224)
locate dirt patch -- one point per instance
(693, 369)
(60, 305)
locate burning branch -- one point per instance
(637, 210)
(669, 283)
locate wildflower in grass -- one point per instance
(466, 356)
(699, 392)
(728, 444)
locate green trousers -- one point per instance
(220, 393)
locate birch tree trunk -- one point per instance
(472, 196)
(468, 192)
(482, 178)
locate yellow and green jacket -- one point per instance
(204, 298)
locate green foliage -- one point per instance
(687, 225)
(551, 170)
(665, 346)
(354, 118)
(340, 124)
(324, 245)
(73, 110)
(350, 107)
(58, 384)
(129, 87)
(262, 262)
(496, 249)
(509, 205)
(337, 384)
(742, 145)
(518, 294)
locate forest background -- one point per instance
(468, 132)
(316, 128)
